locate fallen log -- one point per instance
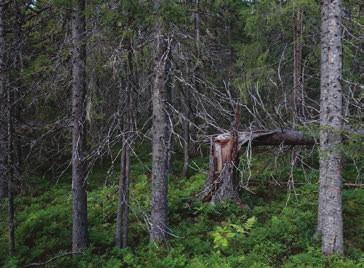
(279, 137)
(221, 183)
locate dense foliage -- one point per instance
(277, 230)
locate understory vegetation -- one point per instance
(275, 229)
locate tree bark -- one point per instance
(3, 120)
(161, 135)
(330, 222)
(187, 95)
(121, 238)
(122, 219)
(79, 229)
(186, 134)
(10, 173)
(6, 136)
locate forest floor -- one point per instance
(278, 229)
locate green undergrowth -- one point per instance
(275, 230)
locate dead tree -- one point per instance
(222, 182)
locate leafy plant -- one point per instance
(223, 235)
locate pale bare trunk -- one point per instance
(161, 136)
(330, 222)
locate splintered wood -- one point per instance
(222, 181)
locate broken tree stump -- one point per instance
(222, 183)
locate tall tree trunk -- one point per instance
(161, 135)
(3, 120)
(187, 95)
(122, 219)
(6, 136)
(79, 229)
(18, 68)
(330, 222)
(197, 26)
(186, 135)
(10, 173)
(298, 94)
(121, 238)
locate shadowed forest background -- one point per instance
(189, 133)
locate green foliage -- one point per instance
(278, 231)
(225, 234)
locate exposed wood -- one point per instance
(221, 183)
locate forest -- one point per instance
(181, 133)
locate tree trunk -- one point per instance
(187, 95)
(10, 173)
(186, 144)
(330, 222)
(197, 26)
(121, 238)
(298, 94)
(221, 183)
(3, 120)
(186, 99)
(79, 229)
(6, 136)
(161, 136)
